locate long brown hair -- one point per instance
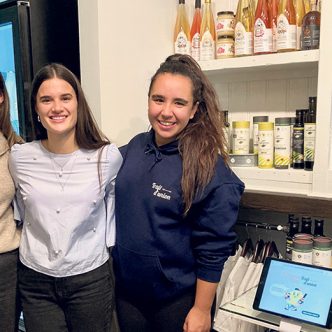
(203, 139)
(87, 133)
(5, 124)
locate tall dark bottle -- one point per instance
(311, 28)
(310, 135)
(294, 225)
(298, 140)
(319, 227)
(306, 225)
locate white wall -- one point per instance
(122, 44)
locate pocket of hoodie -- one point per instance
(141, 273)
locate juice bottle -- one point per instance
(262, 29)
(182, 30)
(299, 12)
(195, 32)
(286, 26)
(208, 33)
(273, 10)
(244, 25)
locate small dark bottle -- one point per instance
(311, 28)
(310, 135)
(319, 227)
(306, 225)
(294, 226)
(298, 140)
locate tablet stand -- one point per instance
(289, 326)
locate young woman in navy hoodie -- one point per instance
(176, 204)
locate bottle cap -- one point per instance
(260, 118)
(322, 242)
(265, 126)
(282, 121)
(241, 124)
(302, 244)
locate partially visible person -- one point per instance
(65, 198)
(9, 231)
(177, 201)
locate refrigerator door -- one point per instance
(15, 65)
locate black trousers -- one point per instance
(80, 303)
(9, 300)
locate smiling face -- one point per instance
(170, 106)
(56, 105)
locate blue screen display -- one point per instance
(7, 68)
(297, 291)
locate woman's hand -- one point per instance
(197, 320)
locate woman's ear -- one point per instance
(1, 98)
(194, 110)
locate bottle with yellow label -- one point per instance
(240, 137)
(265, 144)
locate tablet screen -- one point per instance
(294, 290)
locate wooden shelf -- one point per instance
(288, 204)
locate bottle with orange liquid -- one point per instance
(286, 26)
(208, 33)
(273, 10)
(299, 12)
(182, 30)
(262, 29)
(195, 32)
(244, 27)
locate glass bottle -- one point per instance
(310, 135)
(286, 26)
(273, 10)
(208, 33)
(306, 225)
(293, 229)
(182, 30)
(298, 140)
(244, 26)
(299, 12)
(195, 32)
(262, 29)
(306, 6)
(226, 129)
(319, 227)
(311, 28)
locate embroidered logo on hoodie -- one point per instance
(161, 192)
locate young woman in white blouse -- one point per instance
(9, 232)
(65, 198)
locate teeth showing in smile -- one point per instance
(58, 117)
(166, 123)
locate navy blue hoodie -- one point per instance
(159, 253)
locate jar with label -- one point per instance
(321, 254)
(282, 143)
(256, 120)
(225, 24)
(265, 144)
(225, 47)
(302, 251)
(240, 137)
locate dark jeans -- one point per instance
(80, 303)
(141, 315)
(9, 302)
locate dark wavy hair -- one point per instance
(87, 133)
(203, 139)
(5, 124)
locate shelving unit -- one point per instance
(276, 85)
